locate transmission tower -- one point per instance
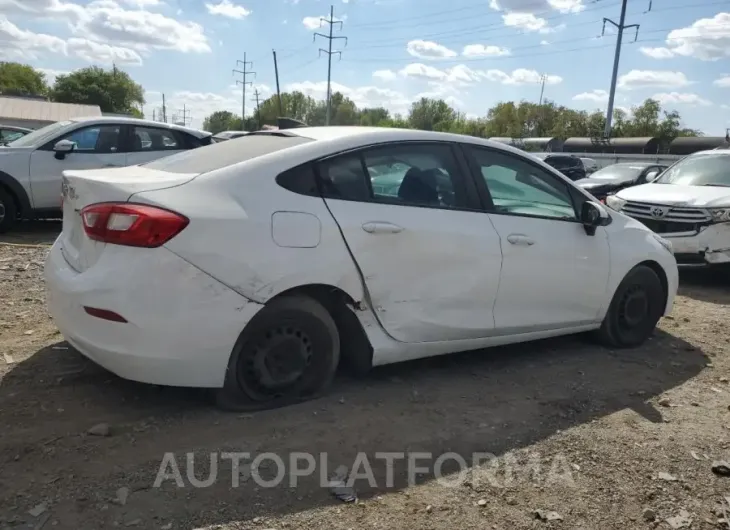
(331, 22)
(256, 94)
(243, 82)
(621, 26)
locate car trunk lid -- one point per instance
(82, 188)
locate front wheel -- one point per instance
(635, 309)
(8, 212)
(288, 353)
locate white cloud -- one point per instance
(669, 98)
(228, 9)
(480, 50)
(598, 96)
(463, 75)
(521, 76)
(535, 6)
(96, 52)
(19, 44)
(529, 22)
(652, 79)
(723, 82)
(657, 53)
(544, 43)
(424, 49)
(142, 3)
(109, 22)
(385, 75)
(365, 96)
(707, 39)
(313, 23)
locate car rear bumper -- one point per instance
(181, 323)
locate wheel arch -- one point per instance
(18, 193)
(356, 349)
(659, 270)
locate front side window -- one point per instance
(710, 169)
(519, 188)
(405, 174)
(95, 139)
(153, 139)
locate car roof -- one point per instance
(141, 122)
(362, 135)
(15, 128)
(715, 152)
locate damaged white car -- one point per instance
(689, 204)
(255, 266)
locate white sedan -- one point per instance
(255, 266)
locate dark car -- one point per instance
(615, 177)
(10, 133)
(568, 165)
(228, 135)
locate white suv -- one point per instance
(689, 204)
(31, 166)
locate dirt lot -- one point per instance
(604, 439)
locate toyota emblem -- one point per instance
(659, 212)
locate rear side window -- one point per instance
(301, 180)
(224, 154)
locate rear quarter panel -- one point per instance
(230, 231)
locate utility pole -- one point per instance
(164, 109)
(243, 82)
(185, 111)
(258, 107)
(278, 92)
(329, 53)
(621, 26)
(543, 78)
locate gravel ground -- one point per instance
(582, 437)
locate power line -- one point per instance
(243, 82)
(481, 29)
(329, 53)
(621, 26)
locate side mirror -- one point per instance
(593, 215)
(63, 147)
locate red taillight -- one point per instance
(134, 225)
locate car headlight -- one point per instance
(615, 202)
(720, 215)
(664, 242)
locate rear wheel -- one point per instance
(288, 353)
(8, 211)
(635, 309)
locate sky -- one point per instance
(472, 53)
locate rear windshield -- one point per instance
(223, 154)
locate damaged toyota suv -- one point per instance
(689, 204)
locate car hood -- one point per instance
(677, 195)
(589, 183)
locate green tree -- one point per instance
(221, 120)
(113, 90)
(21, 80)
(431, 115)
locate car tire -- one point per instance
(287, 354)
(635, 309)
(8, 211)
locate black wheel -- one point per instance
(8, 211)
(635, 309)
(288, 353)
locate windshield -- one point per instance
(618, 172)
(699, 170)
(39, 136)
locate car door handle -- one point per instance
(379, 227)
(520, 239)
